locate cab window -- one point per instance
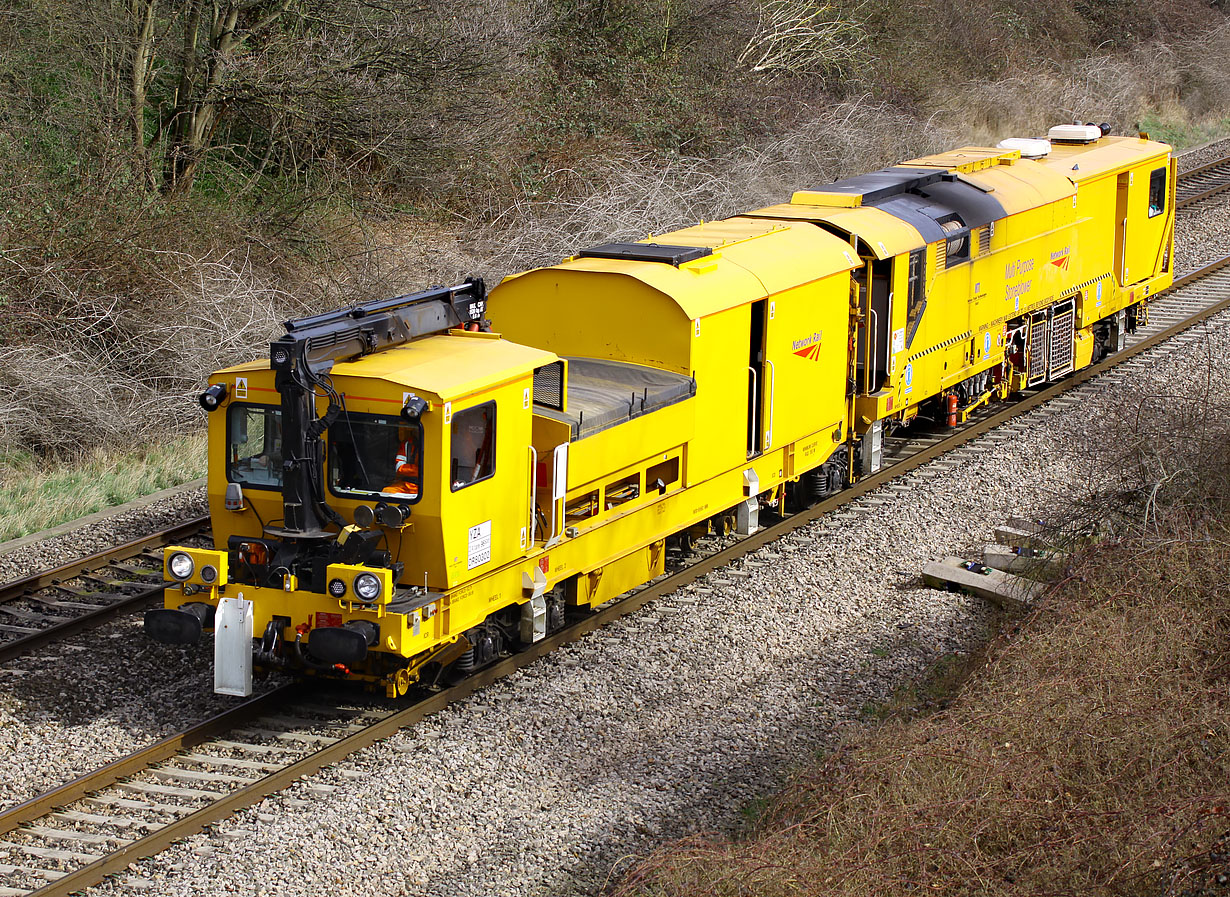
(473, 450)
(254, 445)
(372, 456)
(916, 297)
(1157, 192)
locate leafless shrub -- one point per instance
(111, 371)
(803, 37)
(1205, 77)
(627, 198)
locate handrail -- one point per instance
(768, 436)
(533, 495)
(874, 343)
(755, 409)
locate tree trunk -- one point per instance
(200, 97)
(142, 18)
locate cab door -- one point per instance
(1144, 214)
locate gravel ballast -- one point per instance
(670, 722)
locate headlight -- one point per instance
(208, 574)
(181, 566)
(212, 397)
(337, 588)
(366, 587)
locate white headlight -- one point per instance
(181, 565)
(367, 587)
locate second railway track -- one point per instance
(62, 601)
(1203, 182)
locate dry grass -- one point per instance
(1091, 754)
(35, 496)
(1090, 757)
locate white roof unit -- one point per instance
(1029, 147)
(1074, 133)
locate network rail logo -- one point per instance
(809, 346)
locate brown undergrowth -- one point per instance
(1090, 755)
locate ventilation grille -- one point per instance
(984, 239)
(1063, 323)
(941, 255)
(549, 385)
(1037, 348)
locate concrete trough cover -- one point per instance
(1036, 563)
(1017, 532)
(1005, 589)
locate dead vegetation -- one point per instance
(1089, 755)
(153, 229)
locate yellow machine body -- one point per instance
(639, 391)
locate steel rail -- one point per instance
(159, 839)
(1201, 169)
(16, 588)
(69, 626)
(142, 759)
(1211, 168)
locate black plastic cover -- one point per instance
(646, 252)
(922, 197)
(343, 644)
(173, 627)
(878, 186)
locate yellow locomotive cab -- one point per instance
(403, 490)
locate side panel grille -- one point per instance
(549, 385)
(1037, 348)
(1063, 322)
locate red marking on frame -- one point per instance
(326, 620)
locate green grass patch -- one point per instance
(35, 495)
(1182, 133)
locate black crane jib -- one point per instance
(307, 352)
(314, 344)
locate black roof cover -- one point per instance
(922, 197)
(880, 185)
(646, 252)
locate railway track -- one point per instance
(75, 835)
(60, 602)
(1199, 184)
